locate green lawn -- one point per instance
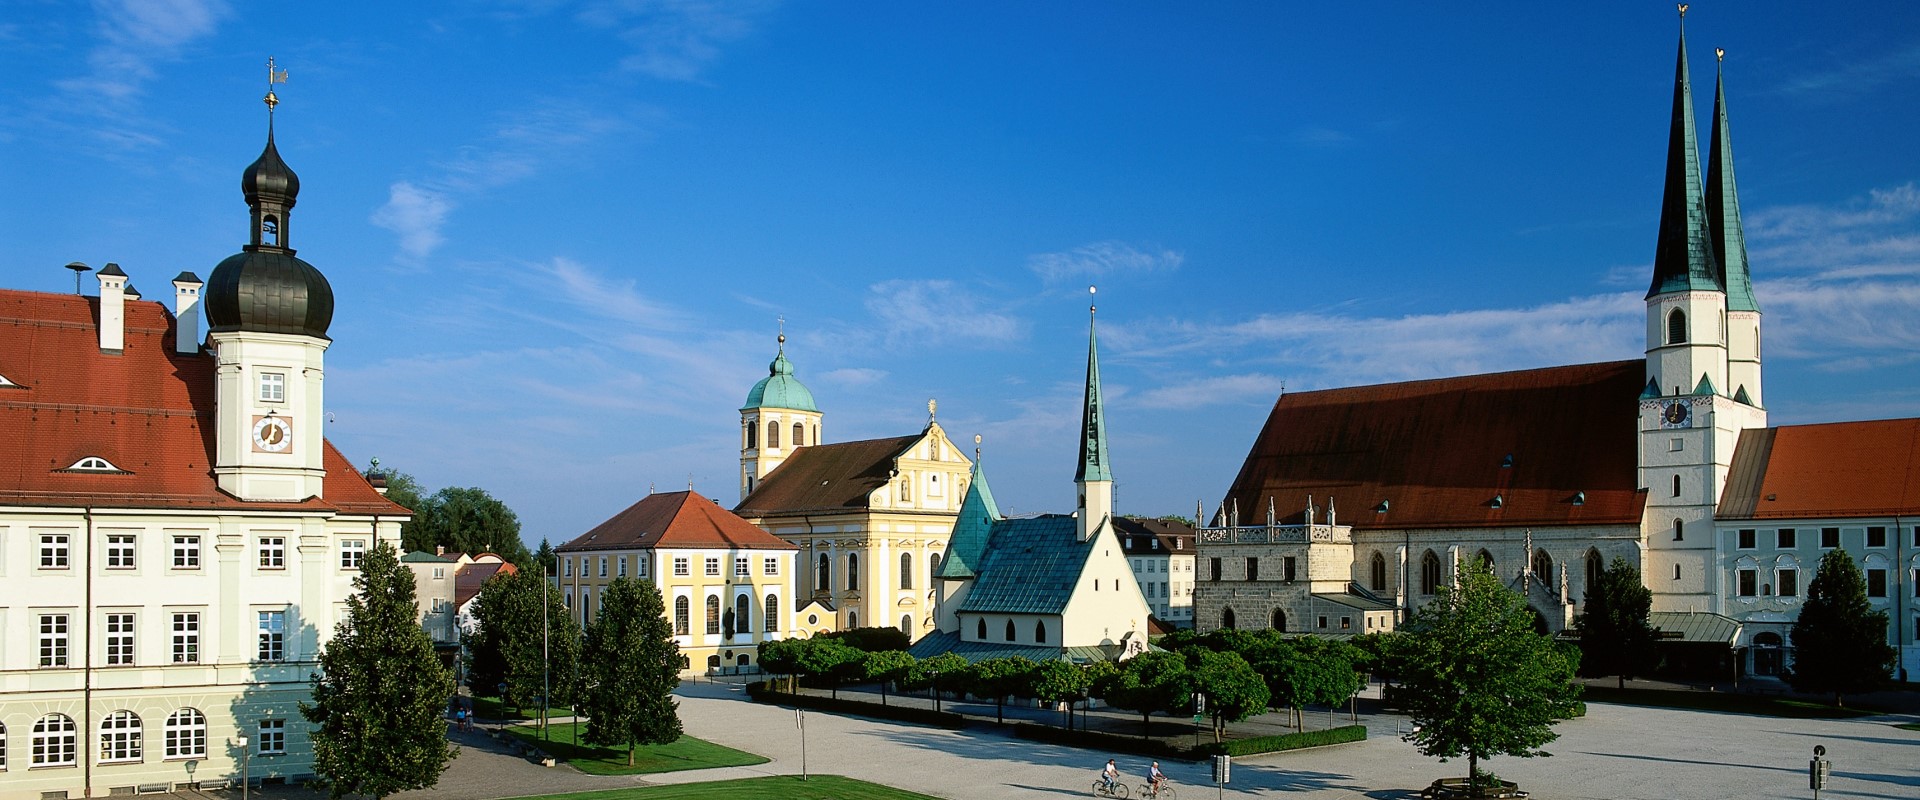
(1721, 701)
(490, 709)
(786, 787)
(688, 753)
(1908, 726)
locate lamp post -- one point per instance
(246, 755)
(936, 691)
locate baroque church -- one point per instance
(1355, 504)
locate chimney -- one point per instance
(113, 309)
(186, 313)
(439, 549)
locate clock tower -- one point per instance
(267, 315)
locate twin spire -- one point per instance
(1701, 245)
(1093, 425)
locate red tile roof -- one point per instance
(675, 519)
(148, 411)
(1434, 449)
(826, 478)
(1835, 470)
(468, 578)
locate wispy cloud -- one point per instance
(1848, 279)
(1210, 391)
(416, 215)
(1100, 259)
(1316, 136)
(1858, 77)
(135, 37)
(674, 40)
(933, 311)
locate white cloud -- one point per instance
(617, 299)
(674, 39)
(1217, 390)
(416, 214)
(933, 311)
(1102, 258)
(135, 37)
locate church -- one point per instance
(1355, 504)
(177, 536)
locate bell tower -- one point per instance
(778, 418)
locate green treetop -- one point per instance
(1840, 640)
(1615, 638)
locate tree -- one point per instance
(1840, 640)
(380, 695)
(509, 646)
(468, 520)
(1615, 638)
(827, 659)
(1233, 690)
(1059, 681)
(405, 490)
(926, 674)
(631, 665)
(999, 677)
(886, 667)
(1479, 681)
(1147, 683)
(872, 640)
(1308, 671)
(782, 657)
(544, 559)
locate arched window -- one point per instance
(586, 606)
(1542, 564)
(713, 614)
(743, 614)
(821, 582)
(772, 605)
(753, 439)
(853, 571)
(1226, 618)
(55, 743)
(1040, 631)
(120, 737)
(853, 619)
(1429, 573)
(1680, 530)
(773, 436)
(906, 624)
(743, 660)
(906, 570)
(1486, 560)
(682, 616)
(1594, 568)
(980, 629)
(933, 566)
(186, 734)
(799, 435)
(1677, 327)
(1379, 573)
(1280, 620)
(1010, 631)
(713, 661)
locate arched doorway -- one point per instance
(1280, 620)
(1768, 654)
(1226, 618)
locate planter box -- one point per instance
(1456, 789)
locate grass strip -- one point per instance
(686, 753)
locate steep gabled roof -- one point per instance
(1835, 470)
(826, 478)
(675, 519)
(149, 411)
(1723, 208)
(967, 544)
(1683, 253)
(1434, 451)
(1030, 566)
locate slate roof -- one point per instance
(1030, 566)
(149, 411)
(1833, 470)
(1434, 451)
(826, 478)
(1138, 534)
(675, 519)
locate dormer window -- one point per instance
(7, 384)
(93, 464)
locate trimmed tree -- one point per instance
(926, 674)
(1233, 690)
(827, 659)
(1840, 640)
(1058, 681)
(886, 667)
(1308, 671)
(782, 657)
(631, 666)
(1148, 683)
(1479, 681)
(1615, 638)
(999, 677)
(380, 697)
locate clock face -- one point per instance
(1676, 415)
(272, 434)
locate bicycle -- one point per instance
(1166, 791)
(1102, 789)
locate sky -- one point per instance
(562, 235)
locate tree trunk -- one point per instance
(883, 693)
(1000, 709)
(1473, 774)
(629, 754)
(1623, 681)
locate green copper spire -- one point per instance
(1723, 205)
(1683, 256)
(1093, 425)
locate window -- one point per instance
(352, 553)
(1279, 620)
(1788, 582)
(933, 566)
(681, 613)
(1829, 538)
(906, 624)
(773, 436)
(1679, 530)
(120, 547)
(820, 582)
(1346, 623)
(1749, 582)
(770, 566)
(752, 437)
(53, 551)
(1010, 633)
(273, 552)
(1226, 618)
(713, 567)
(55, 742)
(1542, 565)
(272, 627)
(1253, 568)
(1323, 622)
(186, 638)
(273, 737)
(1746, 538)
(1213, 568)
(1784, 539)
(742, 614)
(799, 435)
(1676, 485)
(603, 566)
(906, 571)
(713, 614)
(1377, 573)
(1429, 573)
(620, 566)
(1677, 327)
(853, 571)
(1039, 631)
(53, 640)
(980, 630)
(1876, 582)
(772, 606)
(186, 552)
(186, 734)
(273, 387)
(439, 573)
(119, 639)
(680, 566)
(1675, 445)
(741, 567)
(120, 737)
(566, 566)
(1877, 536)
(94, 464)
(1286, 569)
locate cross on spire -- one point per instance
(274, 76)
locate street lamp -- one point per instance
(245, 756)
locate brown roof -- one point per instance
(149, 411)
(1434, 451)
(1839, 469)
(675, 519)
(468, 578)
(826, 478)
(1137, 533)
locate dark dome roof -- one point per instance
(268, 292)
(270, 176)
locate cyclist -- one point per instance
(1155, 778)
(1111, 774)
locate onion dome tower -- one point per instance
(267, 318)
(778, 418)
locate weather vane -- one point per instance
(1683, 10)
(273, 76)
(932, 404)
(1719, 54)
(1091, 290)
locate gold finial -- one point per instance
(1719, 54)
(1090, 292)
(976, 447)
(782, 338)
(932, 404)
(273, 76)
(1683, 10)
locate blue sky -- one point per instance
(560, 233)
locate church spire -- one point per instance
(1683, 255)
(1723, 204)
(1093, 426)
